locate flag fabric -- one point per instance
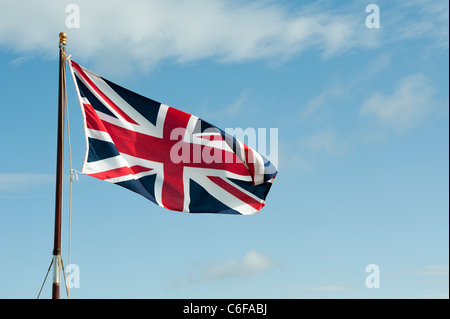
(172, 158)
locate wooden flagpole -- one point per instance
(59, 168)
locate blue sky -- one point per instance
(363, 128)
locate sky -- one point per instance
(360, 100)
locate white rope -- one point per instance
(72, 175)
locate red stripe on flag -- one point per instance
(103, 96)
(172, 194)
(122, 171)
(236, 192)
(92, 120)
(250, 161)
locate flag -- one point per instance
(172, 158)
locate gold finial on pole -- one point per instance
(62, 38)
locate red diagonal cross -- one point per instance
(158, 150)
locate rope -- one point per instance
(49, 267)
(65, 281)
(73, 177)
(72, 172)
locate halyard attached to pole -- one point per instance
(59, 168)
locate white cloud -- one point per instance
(253, 263)
(408, 105)
(237, 105)
(322, 141)
(13, 182)
(303, 154)
(416, 19)
(326, 288)
(141, 33)
(315, 104)
(443, 295)
(433, 277)
(431, 270)
(378, 64)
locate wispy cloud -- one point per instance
(316, 103)
(143, 33)
(405, 107)
(419, 19)
(319, 291)
(139, 34)
(304, 153)
(14, 182)
(431, 270)
(322, 141)
(443, 295)
(326, 288)
(434, 277)
(378, 64)
(237, 105)
(253, 263)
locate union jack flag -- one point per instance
(173, 158)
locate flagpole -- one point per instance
(59, 169)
